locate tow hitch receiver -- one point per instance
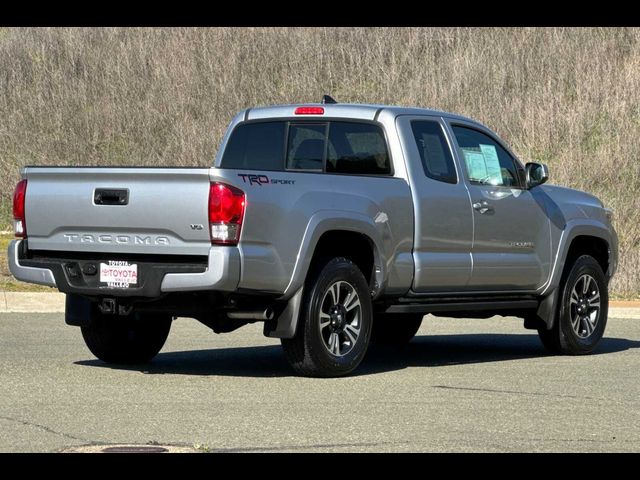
(109, 306)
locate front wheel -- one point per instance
(582, 312)
(132, 339)
(335, 322)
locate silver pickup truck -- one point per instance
(333, 224)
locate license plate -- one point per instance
(119, 274)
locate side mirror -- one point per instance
(537, 174)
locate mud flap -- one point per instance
(545, 315)
(78, 311)
(284, 325)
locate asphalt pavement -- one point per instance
(461, 385)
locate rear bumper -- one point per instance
(220, 271)
(41, 276)
(222, 274)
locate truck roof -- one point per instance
(346, 110)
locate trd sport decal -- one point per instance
(263, 180)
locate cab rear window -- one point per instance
(347, 147)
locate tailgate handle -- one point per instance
(111, 196)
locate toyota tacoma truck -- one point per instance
(332, 224)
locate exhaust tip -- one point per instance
(266, 314)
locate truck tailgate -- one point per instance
(124, 210)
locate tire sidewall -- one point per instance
(336, 270)
(569, 339)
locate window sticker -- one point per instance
(476, 165)
(484, 165)
(492, 163)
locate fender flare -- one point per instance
(285, 325)
(329, 220)
(573, 228)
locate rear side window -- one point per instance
(256, 146)
(357, 148)
(434, 151)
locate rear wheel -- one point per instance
(582, 311)
(395, 329)
(335, 322)
(132, 339)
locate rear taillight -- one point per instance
(226, 212)
(19, 224)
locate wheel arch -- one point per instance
(331, 234)
(579, 238)
(341, 234)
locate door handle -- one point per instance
(483, 207)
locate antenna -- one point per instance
(328, 99)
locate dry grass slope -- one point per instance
(568, 97)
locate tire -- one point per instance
(398, 330)
(126, 340)
(581, 315)
(549, 339)
(324, 346)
